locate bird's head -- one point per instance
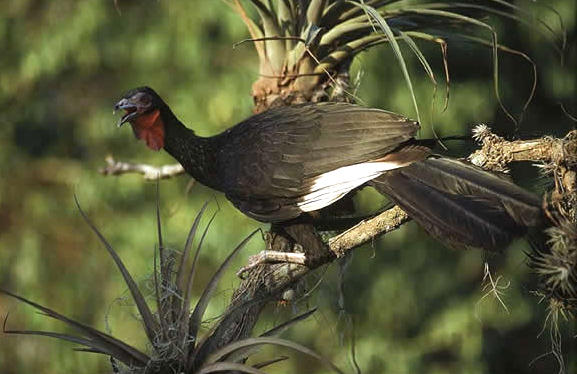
(144, 110)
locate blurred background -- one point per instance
(411, 305)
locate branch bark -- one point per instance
(496, 152)
(367, 230)
(149, 172)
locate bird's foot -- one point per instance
(267, 257)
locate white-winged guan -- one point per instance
(280, 163)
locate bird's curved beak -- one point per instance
(130, 108)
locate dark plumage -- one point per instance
(461, 204)
(269, 162)
(278, 164)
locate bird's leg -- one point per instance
(297, 241)
(267, 257)
(339, 223)
(280, 247)
(331, 220)
(340, 215)
(290, 242)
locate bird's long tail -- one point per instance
(460, 204)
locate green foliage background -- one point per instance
(416, 306)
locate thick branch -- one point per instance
(282, 275)
(339, 245)
(365, 231)
(496, 152)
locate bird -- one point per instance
(291, 161)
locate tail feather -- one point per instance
(460, 204)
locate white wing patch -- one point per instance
(329, 187)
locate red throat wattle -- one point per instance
(150, 128)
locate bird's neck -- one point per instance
(194, 153)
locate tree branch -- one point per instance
(149, 172)
(367, 230)
(496, 152)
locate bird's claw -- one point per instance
(267, 257)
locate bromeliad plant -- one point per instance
(556, 264)
(305, 48)
(173, 330)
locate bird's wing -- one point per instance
(312, 153)
(286, 148)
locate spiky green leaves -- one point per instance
(556, 265)
(346, 28)
(173, 331)
(97, 341)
